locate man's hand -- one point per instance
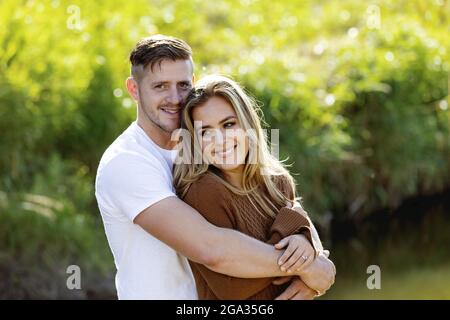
(297, 290)
(319, 275)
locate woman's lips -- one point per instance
(226, 153)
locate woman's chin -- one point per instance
(228, 167)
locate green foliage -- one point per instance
(360, 98)
(48, 228)
(359, 92)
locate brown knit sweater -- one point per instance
(223, 208)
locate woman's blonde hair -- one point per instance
(260, 166)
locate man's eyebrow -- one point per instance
(158, 82)
(166, 82)
(222, 121)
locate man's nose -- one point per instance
(174, 96)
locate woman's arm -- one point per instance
(317, 244)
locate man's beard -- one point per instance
(151, 116)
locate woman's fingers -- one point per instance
(290, 291)
(295, 258)
(283, 243)
(286, 255)
(306, 259)
(298, 264)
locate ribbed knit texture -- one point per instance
(225, 209)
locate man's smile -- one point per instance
(171, 111)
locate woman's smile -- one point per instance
(226, 153)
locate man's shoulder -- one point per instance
(126, 150)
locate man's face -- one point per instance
(162, 93)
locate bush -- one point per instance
(359, 91)
(47, 228)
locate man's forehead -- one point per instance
(169, 70)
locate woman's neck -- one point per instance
(234, 176)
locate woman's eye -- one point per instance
(206, 133)
(229, 124)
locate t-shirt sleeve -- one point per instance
(131, 183)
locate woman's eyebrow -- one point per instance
(227, 118)
(221, 121)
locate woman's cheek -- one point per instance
(207, 152)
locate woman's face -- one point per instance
(223, 141)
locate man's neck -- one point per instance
(157, 135)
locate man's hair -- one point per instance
(154, 49)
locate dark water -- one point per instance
(412, 213)
(417, 233)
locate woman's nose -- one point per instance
(223, 138)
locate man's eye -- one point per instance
(185, 86)
(160, 86)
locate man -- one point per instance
(151, 231)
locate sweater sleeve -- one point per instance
(213, 202)
(289, 221)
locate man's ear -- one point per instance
(132, 88)
(193, 78)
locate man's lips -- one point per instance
(171, 111)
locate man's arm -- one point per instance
(222, 250)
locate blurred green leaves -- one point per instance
(359, 91)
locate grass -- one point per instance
(417, 283)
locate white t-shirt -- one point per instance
(135, 173)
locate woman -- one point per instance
(227, 173)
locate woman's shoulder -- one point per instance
(207, 187)
(212, 200)
(208, 183)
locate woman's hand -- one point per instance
(298, 255)
(297, 290)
